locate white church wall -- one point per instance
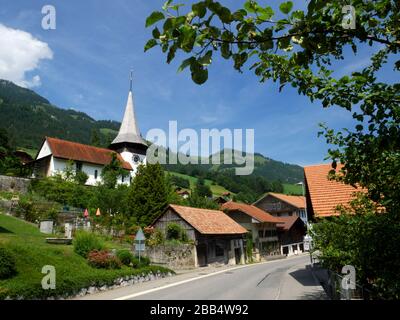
(128, 157)
(60, 165)
(44, 151)
(90, 170)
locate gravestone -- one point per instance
(68, 230)
(46, 226)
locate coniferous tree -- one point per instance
(149, 193)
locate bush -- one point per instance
(156, 238)
(176, 232)
(144, 262)
(85, 242)
(103, 260)
(125, 256)
(7, 264)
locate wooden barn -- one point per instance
(217, 238)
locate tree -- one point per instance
(149, 193)
(201, 189)
(297, 47)
(95, 138)
(112, 171)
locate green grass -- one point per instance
(32, 253)
(292, 189)
(216, 189)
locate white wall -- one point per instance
(45, 151)
(128, 157)
(59, 165)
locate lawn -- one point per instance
(31, 252)
(216, 189)
(292, 189)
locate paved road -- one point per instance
(285, 279)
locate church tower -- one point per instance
(129, 142)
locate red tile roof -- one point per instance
(296, 201)
(252, 211)
(82, 152)
(208, 221)
(287, 222)
(326, 195)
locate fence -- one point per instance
(336, 290)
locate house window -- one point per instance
(123, 179)
(219, 251)
(78, 166)
(260, 233)
(95, 174)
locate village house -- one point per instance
(291, 233)
(217, 238)
(282, 205)
(261, 225)
(323, 196)
(128, 146)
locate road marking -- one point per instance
(134, 295)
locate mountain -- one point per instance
(28, 118)
(264, 167)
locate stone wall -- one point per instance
(181, 256)
(14, 184)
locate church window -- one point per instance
(78, 166)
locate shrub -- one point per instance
(85, 242)
(156, 238)
(7, 264)
(125, 256)
(176, 232)
(144, 262)
(103, 260)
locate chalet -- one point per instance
(291, 233)
(129, 147)
(182, 192)
(282, 205)
(217, 238)
(324, 195)
(261, 225)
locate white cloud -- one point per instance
(20, 53)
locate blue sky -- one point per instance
(95, 45)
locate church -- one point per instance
(129, 147)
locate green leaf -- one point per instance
(150, 44)
(166, 5)
(156, 33)
(266, 13)
(154, 17)
(186, 63)
(206, 59)
(199, 9)
(286, 7)
(249, 6)
(225, 50)
(199, 76)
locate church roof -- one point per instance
(129, 130)
(82, 152)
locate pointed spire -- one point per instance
(129, 130)
(130, 88)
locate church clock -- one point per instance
(136, 158)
